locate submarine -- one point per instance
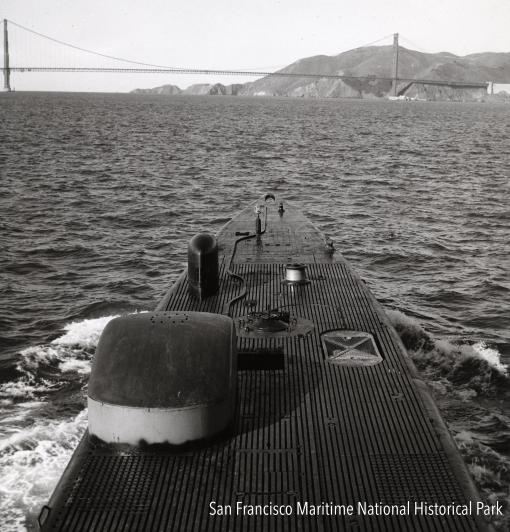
(266, 391)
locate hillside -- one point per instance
(168, 90)
(378, 61)
(197, 89)
(217, 89)
(374, 61)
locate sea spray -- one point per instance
(42, 419)
(476, 366)
(468, 382)
(31, 462)
(84, 333)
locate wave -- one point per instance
(40, 368)
(490, 471)
(31, 462)
(99, 309)
(37, 431)
(27, 267)
(470, 383)
(84, 333)
(63, 249)
(477, 366)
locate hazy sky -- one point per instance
(264, 34)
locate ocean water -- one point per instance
(99, 195)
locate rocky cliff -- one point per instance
(168, 90)
(375, 61)
(216, 89)
(198, 89)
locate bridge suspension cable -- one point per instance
(376, 41)
(141, 67)
(145, 64)
(140, 63)
(413, 44)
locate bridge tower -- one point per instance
(395, 63)
(7, 70)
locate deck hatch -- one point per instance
(267, 472)
(260, 359)
(350, 348)
(118, 482)
(414, 477)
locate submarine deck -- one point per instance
(306, 430)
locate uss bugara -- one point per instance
(268, 375)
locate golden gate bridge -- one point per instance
(399, 84)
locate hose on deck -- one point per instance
(228, 304)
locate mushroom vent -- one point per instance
(203, 276)
(163, 376)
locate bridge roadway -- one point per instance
(194, 71)
(306, 429)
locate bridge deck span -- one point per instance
(281, 74)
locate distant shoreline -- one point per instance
(488, 98)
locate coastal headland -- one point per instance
(375, 62)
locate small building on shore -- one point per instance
(498, 88)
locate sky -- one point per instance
(259, 35)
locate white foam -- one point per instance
(491, 355)
(31, 462)
(84, 333)
(32, 357)
(399, 318)
(75, 365)
(66, 351)
(447, 348)
(22, 388)
(32, 458)
(464, 437)
(16, 414)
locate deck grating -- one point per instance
(310, 431)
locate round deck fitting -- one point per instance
(272, 324)
(295, 274)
